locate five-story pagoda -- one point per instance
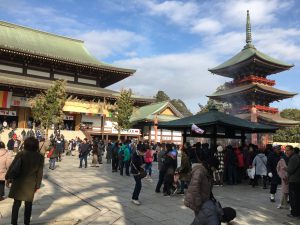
(251, 92)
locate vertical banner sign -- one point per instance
(5, 99)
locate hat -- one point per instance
(228, 214)
(220, 148)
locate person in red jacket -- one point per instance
(240, 164)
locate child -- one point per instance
(211, 213)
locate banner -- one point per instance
(197, 129)
(5, 99)
(19, 101)
(8, 113)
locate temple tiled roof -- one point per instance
(251, 88)
(149, 112)
(250, 58)
(34, 42)
(274, 119)
(214, 117)
(73, 89)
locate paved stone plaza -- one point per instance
(71, 195)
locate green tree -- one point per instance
(123, 111)
(161, 96)
(181, 107)
(177, 103)
(289, 134)
(221, 106)
(47, 107)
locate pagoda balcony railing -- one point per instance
(260, 108)
(253, 79)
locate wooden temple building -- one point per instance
(146, 119)
(30, 60)
(251, 91)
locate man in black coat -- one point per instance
(294, 181)
(272, 162)
(84, 150)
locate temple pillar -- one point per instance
(23, 117)
(77, 121)
(155, 129)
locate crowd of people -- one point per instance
(194, 175)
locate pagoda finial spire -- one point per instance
(248, 32)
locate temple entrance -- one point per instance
(8, 119)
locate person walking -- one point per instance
(95, 154)
(136, 169)
(170, 165)
(125, 158)
(53, 157)
(160, 159)
(282, 173)
(272, 162)
(200, 187)
(184, 169)
(148, 158)
(27, 181)
(293, 170)
(84, 150)
(231, 165)
(115, 157)
(101, 150)
(260, 165)
(109, 152)
(5, 161)
(219, 173)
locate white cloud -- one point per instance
(106, 43)
(184, 76)
(206, 25)
(177, 11)
(261, 11)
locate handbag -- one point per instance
(50, 153)
(251, 172)
(141, 174)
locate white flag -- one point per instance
(197, 129)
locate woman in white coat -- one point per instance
(5, 161)
(260, 165)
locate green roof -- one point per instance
(214, 117)
(249, 55)
(252, 87)
(149, 112)
(274, 119)
(34, 42)
(74, 89)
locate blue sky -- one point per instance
(171, 44)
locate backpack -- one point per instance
(121, 153)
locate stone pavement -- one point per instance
(94, 195)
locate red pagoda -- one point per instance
(251, 92)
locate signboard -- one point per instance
(8, 113)
(19, 101)
(129, 131)
(68, 117)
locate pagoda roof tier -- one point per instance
(250, 61)
(275, 93)
(271, 119)
(27, 41)
(72, 89)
